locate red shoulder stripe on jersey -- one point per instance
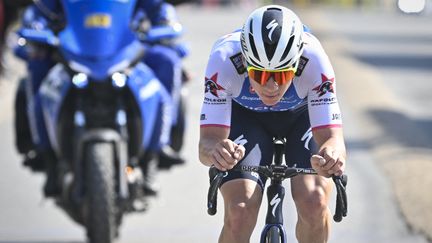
(326, 126)
(215, 125)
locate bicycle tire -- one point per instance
(273, 235)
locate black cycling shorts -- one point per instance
(255, 130)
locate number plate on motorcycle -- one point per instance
(98, 21)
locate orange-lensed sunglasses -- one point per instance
(281, 77)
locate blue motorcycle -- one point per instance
(103, 111)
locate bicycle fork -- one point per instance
(274, 230)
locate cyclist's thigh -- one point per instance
(242, 192)
(246, 130)
(307, 188)
(299, 148)
(300, 144)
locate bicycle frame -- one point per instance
(274, 230)
(274, 217)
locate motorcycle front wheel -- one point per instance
(100, 192)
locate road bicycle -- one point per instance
(274, 231)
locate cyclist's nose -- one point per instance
(271, 84)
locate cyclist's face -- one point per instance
(270, 93)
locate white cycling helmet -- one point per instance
(271, 38)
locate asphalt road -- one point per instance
(179, 214)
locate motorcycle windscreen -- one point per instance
(97, 29)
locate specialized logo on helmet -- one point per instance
(212, 86)
(271, 26)
(325, 86)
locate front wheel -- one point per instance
(100, 192)
(273, 235)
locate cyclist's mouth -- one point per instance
(270, 100)
(271, 96)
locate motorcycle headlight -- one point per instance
(119, 79)
(80, 80)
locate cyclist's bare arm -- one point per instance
(216, 149)
(331, 156)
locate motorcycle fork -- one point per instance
(83, 135)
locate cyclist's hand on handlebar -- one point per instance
(328, 163)
(227, 154)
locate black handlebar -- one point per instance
(215, 180)
(341, 197)
(277, 172)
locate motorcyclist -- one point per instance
(164, 60)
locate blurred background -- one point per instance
(382, 55)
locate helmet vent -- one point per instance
(284, 65)
(273, 8)
(256, 64)
(287, 48)
(253, 47)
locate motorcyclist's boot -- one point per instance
(168, 157)
(34, 161)
(52, 186)
(149, 166)
(170, 154)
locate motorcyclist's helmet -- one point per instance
(271, 38)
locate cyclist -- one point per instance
(272, 78)
(165, 61)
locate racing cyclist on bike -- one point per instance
(272, 78)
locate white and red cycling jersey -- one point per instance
(227, 80)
